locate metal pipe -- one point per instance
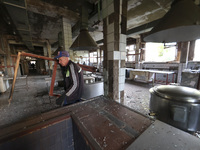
(37, 56)
(53, 79)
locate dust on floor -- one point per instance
(137, 96)
(26, 102)
(35, 99)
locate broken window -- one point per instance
(130, 53)
(160, 52)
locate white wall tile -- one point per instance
(123, 55)
(122, 71)
(122, 38)
(114, 55)
(122, 47)
(121, 87)
(121, 79)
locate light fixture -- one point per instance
(181, 23)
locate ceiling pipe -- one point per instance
(181, 23)
(84, 41)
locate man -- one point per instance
(73, 80)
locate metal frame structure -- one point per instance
(84, 67)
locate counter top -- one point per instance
(105, 124)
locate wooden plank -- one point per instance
(14, 78)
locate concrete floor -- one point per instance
(25, 103)
(35, 100)
(137, 96)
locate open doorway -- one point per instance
(32, 67)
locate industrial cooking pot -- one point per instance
(178, 106)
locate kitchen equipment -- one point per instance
(178, 106)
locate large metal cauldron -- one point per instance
(178, 106)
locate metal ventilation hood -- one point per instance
(181, 23)
(84, 41)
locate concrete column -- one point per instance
(114, 32)
(6, 48)
(49, 55)
(184, 48)
(45, 49)
(67, 36)
(184, 52)
(137, 51)
(191, 51)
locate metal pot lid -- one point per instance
(178, 93)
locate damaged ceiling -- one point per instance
(40, 20)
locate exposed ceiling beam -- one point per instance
(18, 13)
(39, 7)
(138, 30)
(143, 28)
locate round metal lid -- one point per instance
(179, 93)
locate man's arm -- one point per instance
(75, 79)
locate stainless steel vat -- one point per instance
(178, 106)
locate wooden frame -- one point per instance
(36, 56)
(84, 67)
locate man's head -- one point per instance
(63, 57)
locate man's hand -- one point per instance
(61, 99)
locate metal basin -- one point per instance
(178, 106)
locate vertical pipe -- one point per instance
(15, 76)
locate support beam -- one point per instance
(191, 51)
(6, 48)
(14, 78)
(114, 33)
(40, 7)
